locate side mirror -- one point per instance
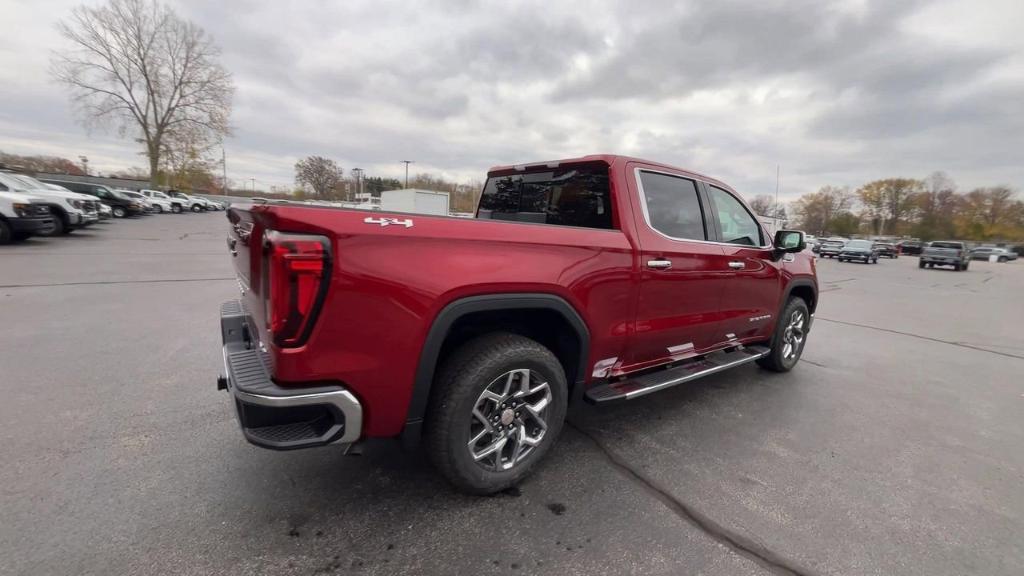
(787, 241)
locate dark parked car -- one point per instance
(830, 248)
(913, 247)
(888, 250)
(120, 206)
(1001, 254)
(945, 253)
(861, 250)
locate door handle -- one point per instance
(737, 265)
(659, 264)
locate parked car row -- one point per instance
(938, 253)
(33, 207)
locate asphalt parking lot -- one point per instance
(895, 447)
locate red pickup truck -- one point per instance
(599, 278)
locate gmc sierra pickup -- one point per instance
(599, 278)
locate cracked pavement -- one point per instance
(893, 448)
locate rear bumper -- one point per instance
(275, 417)
(943, 260)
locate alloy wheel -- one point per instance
(793, 336)
(509, 419)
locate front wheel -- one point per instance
(920, 264)
(119, 212)
(1002, 259)
(497, 407)
(789, 338)
(196, 208)
(176, 208)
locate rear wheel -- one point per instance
(176, 208)
(1002, 259)
(498, 406)
(119, 212)
(159, 209)
(920, 264)
(789, 338)
(6, 235)
(196, 208)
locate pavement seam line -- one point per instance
(912, 335)
(738, 543)
(114, 282)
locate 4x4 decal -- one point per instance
(389, 221)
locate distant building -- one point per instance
(123, 183)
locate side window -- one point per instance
(672, 206)
(738, 226)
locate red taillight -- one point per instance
(298, 266)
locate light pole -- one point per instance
(85, 164)
(224, 164)
(253, 185)
(359, 181)
(407, 162)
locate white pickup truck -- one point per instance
(70, 210)
(22, 216)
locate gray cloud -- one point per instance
(835, 92)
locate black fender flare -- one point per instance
(796, 283)
(447, 317)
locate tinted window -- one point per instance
(738, 226)
(953, 245)
(570, 196)
(673, 207)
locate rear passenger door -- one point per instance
(682, 274)
(751, 296)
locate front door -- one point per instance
(751, 296)
(682, 275)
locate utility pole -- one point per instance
(224, 164)
(253, 185)
(85, 164)
(778, 173)
(407, 162)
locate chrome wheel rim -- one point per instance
(509, 419)
(793, 336)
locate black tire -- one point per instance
(60, 224)
(159, 209)
(119, 211)
(776, 360)
(458, 387)
(197, 208)
(176, 208)
(966, 266)
(920, 264)
(6, 234)
(1002, 259)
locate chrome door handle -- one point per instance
(659, 264)
(737, 265)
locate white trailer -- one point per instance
(414, 201)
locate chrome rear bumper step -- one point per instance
(661, 379)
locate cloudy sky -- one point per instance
(835, 93)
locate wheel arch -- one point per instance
(570, 342)
(804, 288)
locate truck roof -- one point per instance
(609, 159)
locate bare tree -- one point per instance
(763, 205)
(321, 174)
(138, 65)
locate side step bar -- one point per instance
(661, 379)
